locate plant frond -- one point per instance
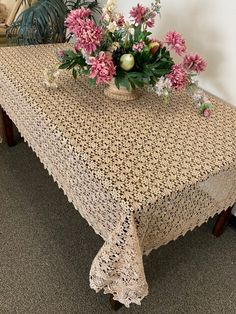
(43, 21)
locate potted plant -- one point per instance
(43, 21)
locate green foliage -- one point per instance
(204, 106)
(43, 22)
(75, 62)
(106, 43)
(140, 34)
(148, 69)
(92, 5)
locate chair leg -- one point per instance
(222, 222)
(115, 305)
(8, 126)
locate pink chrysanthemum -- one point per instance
(60, 55)
(88, 36)
(194, 62)
(139, 46)
(102, 68)
(74, 18)
(178, 77)
(207, 113)
(151, 20)
(138, 13)
(176, 42)
(120, 21)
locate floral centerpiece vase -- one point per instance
(124, 55)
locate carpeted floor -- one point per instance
(46, 250)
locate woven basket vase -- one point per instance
(121, 93)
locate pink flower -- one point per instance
(138, 13)
(102, 67)
(139, 46)
(60, 55)
(74, 18)
(176, 42)
(151, 20)
(88, 36)
(194, 62)
(120, 21)
(207, 113)
(178, 77)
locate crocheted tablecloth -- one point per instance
(141, 173)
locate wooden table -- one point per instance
(136, 171)
(220, 224)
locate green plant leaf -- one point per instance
(75, 73)
(43, 21)
(92, 82)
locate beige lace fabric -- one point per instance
(141, 173)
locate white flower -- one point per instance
(112, 27)
(194, 80)
(51, 77)
(114, 46)
(128, 28)
(110, 6)
(199, 97)
(109, 11)
(163, 85)
(86, 56)
(156, 6)
(111, 3)
(107, 17)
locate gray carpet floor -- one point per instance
(46, 250)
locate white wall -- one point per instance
(209, 27)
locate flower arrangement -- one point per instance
(124, 52)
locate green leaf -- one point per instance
(117, 83)
(132, 83)
(92, 82)
(64, 65)
(137, 32)
(205, 106)
(75, 73)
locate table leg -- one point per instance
(8, 126)
(222, 222)
(115, 305)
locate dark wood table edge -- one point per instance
(115, 305)
(8, 128)
(222, 222)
